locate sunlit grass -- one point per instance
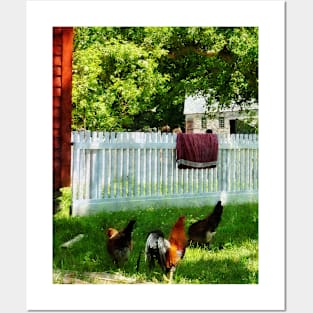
(231, 259)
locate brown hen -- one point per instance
(203, 231)
(120, 243)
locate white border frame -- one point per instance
(269, 16)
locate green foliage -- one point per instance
(232, 258)
(113, 82)
(125, 78)
(64, 202)
(247, 126)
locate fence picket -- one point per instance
(107, 166)
(137, 169)
(158, 162)
(130, 173)
(113, 168)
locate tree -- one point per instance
(114, 80)
(129, 78)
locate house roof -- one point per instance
(197, 104)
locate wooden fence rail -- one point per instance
(124, 170)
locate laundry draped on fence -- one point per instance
(196, 150)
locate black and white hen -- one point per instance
(156, 249)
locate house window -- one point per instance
(221, 122)
(203, 122)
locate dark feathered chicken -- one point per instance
(156, 248)
(120, 244)
(203, 231)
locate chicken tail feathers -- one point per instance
(129, 228)
(163, 246)
(156, 249)
(217, 214)
(218, 210)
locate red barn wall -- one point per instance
(62, 105)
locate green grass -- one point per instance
(232, 258)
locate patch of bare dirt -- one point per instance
(68, 277)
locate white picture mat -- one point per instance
(269, 16)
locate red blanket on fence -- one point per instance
(196, 150)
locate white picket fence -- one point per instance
(132, 170)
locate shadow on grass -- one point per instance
(219, 269)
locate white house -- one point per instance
(227, 121)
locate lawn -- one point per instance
(231, 259)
